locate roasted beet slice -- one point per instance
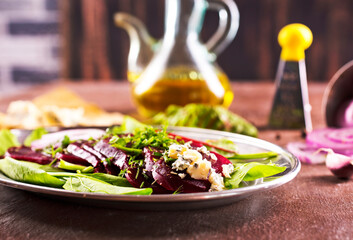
(107, 166)
(76, 149)
(27, 154)
(149, 162)
(172, 182)
(119, 158)
(217, 164)
(68, 157)
(137, 179)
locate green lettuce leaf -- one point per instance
(74, 167)
(106, 178)
(28, 172)
(35, 135)
(250, 172)
(114, 180)
(7, 140)
(204, 116)
(87, 184)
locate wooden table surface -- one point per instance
(315, 205)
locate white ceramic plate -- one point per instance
(181, 201)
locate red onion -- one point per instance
(306, 153)
(339, 140)
(340, 165)
(73, 134)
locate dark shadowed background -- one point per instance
(42, 40)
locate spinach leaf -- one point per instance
(74, 167)
(87, 184)
(114, 180)
(252, 156)
(28, 172)
(106, 178)
(7, 140)
(35, 135)
(251, 171)
(260, 171)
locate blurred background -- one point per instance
(46, 40)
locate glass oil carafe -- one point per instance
(182, 70)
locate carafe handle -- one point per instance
(228, 25)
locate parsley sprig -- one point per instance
(142, 137)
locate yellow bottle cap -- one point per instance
(294, 39)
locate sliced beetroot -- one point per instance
(107, 166)
(118, 157)
(164, 177)
(27, 154)
(135, 177)
(76, 150)
(149, 162)
(68, 157)
(89, 147)
(158, 189)
(217, 164)
(148, 159)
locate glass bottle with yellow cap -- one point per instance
(291, 108)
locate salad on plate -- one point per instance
(133, 158)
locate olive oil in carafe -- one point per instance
(180, 86)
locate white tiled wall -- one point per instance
(29, 42)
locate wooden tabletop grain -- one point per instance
(315, 205)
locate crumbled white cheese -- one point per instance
(192, 155)
(182, 175)
(196, 166)
(227, 169)
(175, 150)
(203, 150)
(216, 181)
(213, 156)
(180, 164)
(200, 169)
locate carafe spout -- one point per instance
(141, 43)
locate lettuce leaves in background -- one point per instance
(205, 116)
(7, 140)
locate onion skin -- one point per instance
(340, 165)
(306, 153)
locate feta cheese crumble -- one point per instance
(227, 169)
(198, 168)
